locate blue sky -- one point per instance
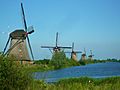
(90, 24)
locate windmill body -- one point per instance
(20, 50)
(83, 56)
(74, 53)
(91, 55)
(74, 56)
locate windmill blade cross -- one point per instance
(72, 46)
(30, 48)
(85, 51)
(78, 52)
(30, 30)
(65, 47)
(25, 26)
(47, 47)
(56, 39)
(24, 21)
(50, 50)
(9, 50)
(6, 45)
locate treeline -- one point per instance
(59, 60)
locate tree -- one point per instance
(58, 60)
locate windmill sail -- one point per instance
(25, 26)
(56, 48)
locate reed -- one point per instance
(83, 83)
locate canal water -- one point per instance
(99, 70)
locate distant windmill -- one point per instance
(56, 48)
(17, 40)
(74, 53)
(83, 57)
(91, 55)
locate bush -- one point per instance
(13, 76)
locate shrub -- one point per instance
(13, 76)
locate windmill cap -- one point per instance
(17, 34)
(83, 54)
(90, 55)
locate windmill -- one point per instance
(55, 48)
(74, 53)
(91, 55)
(18, 42)
(83, 57)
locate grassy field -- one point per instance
(83, 83)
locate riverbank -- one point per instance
(17, 77)
(82, 83)
(43, 65)
(59, 61)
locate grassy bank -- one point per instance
(83, 83)
(18, 77)
(45, 65)
(59, 61)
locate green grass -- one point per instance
(83, 83)
(38, 68)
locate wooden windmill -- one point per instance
(91, 55)
(83, 57)
(56, 48)
(74, 53)
(18, 42)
